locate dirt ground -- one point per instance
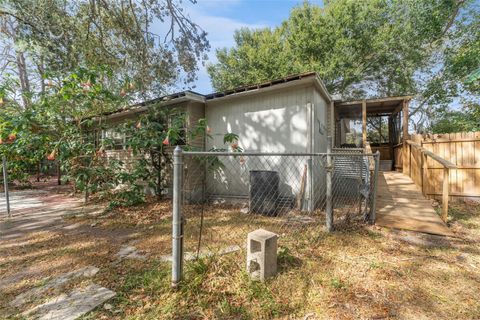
(362, 272)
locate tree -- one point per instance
(64, 123)
(363, 49)
(148, 138)
(450, 80)
(462, 63)
(55, 37)
(57, 126)
(349, 43)
(21, 142)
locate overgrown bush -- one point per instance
(64, 122)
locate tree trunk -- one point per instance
(59, 174)
(86, 192)
(39, 169)
(23, 76)
(159, 177)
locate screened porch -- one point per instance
(378, 124)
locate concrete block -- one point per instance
(261, 254)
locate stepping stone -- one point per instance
(55, 283)
(130, 252)
(73, 226)
(72, 305)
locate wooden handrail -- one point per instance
(447, 165)
(443, 162)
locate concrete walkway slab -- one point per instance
(37, 211)
(401, 205)
(72, 305)
(33, 211)
(54, 283)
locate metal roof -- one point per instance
(380, 105)
(175, 97)
(270, 83)
(138, 107)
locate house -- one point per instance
(294, 114)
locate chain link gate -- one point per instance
(219, 197)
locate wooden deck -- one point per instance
(401, 205)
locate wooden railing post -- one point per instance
(445, 193)
(406, 155)
(424, 173)
(410, 161)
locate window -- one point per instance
(377, 130)
(117, 138)
(349, 133)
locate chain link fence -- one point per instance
(220, 197)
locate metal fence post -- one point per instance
(329, 168)
(373, 207)
(177, 223)
(310, 184)
(5, 184)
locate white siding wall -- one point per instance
(277, 121)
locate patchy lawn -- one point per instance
(364, 272)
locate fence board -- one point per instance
(462, 149)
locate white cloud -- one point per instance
(220, 30)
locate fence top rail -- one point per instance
(432, 141)
(348, 149)
(291, 154)
(442, 161)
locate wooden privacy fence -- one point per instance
(443, 165)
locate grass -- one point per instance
(363, 272)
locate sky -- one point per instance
(220, 18)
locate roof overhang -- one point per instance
(375, 107)
(165, 101)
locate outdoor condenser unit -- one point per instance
(264, 192)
